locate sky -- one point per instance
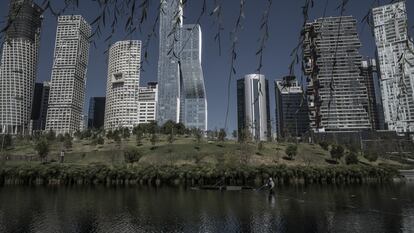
(285, 24)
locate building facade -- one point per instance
(67, 92)
(18, 66)
(369, 72)
(122, 90)
(292, 116)
(40, 106)
(253, 111)
(337, 94)
(396, 64)
(193, 106)
(96, 113)
(171, 19)
(148, 103)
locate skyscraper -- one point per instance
(193, 106)
(181, 91)
(122, 90)
(171, 19)
(148, 103)
(67, 93)
(337, 95)
(96, 113)
(253, 111)
(18, 66)
(40, 106)
(396, 65)
(369, 73)
(292, 116)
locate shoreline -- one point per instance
(192, 175)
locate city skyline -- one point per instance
(218, 115)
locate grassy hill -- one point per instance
(184, 150)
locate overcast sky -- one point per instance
(285, 25)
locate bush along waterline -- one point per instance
(191, 175)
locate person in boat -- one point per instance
(271, 185)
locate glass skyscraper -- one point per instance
(181, 90)
(168, 68)
(193, 106)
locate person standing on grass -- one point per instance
(62, 156)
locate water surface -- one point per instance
(387, 208)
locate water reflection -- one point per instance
(387, 208)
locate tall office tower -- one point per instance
(253, 111)
(369, 73)
(96, 113)
(148, 103)
(337, 95)
(396, 65)
(67, 92)
(193, 106)
(40, 106)
(171, 18)
(18, 66)
(292, 117)
(122, 89)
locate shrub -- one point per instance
(291, 151)
(132, 155)
(324, 145)
(371, 156)
(260, 146)
(337, 152)
(351, 158)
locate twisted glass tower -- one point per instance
(181, 89)
(193, 111)
(168, 68)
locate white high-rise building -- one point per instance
(148, 103)
(396, 65)
(122, 91)
(18, 66)
(67, 92)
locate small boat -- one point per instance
(223, 188)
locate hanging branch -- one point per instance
(237, 28)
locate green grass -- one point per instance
(184, 150)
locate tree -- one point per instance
(222, 135)
(291, 151)
(154, 139)
(234, 134)
(171, 137)
(125, 133)
(337, 152)
(198, 135)
(132, 155)
(67, 141)
(6, 141)
(51, 135)
(138, 136)
(42, 148)
(351, 158)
